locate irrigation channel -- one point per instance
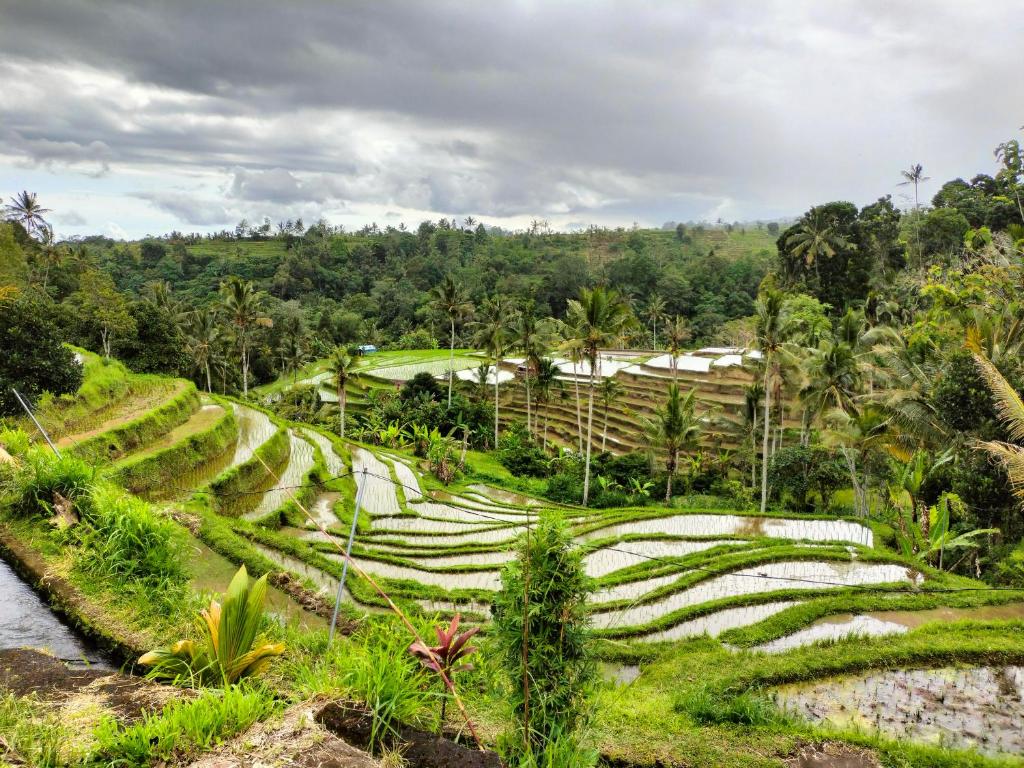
(26, 621)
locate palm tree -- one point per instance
(675, 428)
(914, 176)
(52, 253)
(570, 347)
(529, 336)
(1010, 409)
(492, 337)
(833, 381)
(611, 391)
(677, 333)
(340, 365)
(243, 305)
(815, 238)
(203, 334)
(772, 332)
(856, 435)
(294, 353)
(599, 319)
(25, 209)
(547, 380)
(654, 312)
(449, 299)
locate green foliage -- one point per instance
(543, 637)
(231, 648)
(519, 454)
(797, 471)
(29, 735)
(709, 705)
(44, 475)
(124, 540)
(34, 360)
(182, 730)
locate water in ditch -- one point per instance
(26, 621)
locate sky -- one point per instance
(134, 118)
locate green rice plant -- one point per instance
(710, 705)
(231, 649)
(182, 729)
(14, 441)
(28, 735)
(122, 538)
(43, 475)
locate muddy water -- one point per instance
(300, 462)
(379, 498)
(447, 606)
(740, 525)
(627, 553)
(334, 463)
(464, 535)
(748, 581)
(458, 580)
(322, 508)
(633, 590)
(716, 623)
(618, 674)
(472, 515)
(212, 573)
(980, 708)
(327, 583)
(467, 558)
(407, 477)
(489, 492)
(26, 621)
(419, 525)
(881, 623)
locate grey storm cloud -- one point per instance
(641, 110)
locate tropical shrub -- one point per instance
(44, 475)
(519, 454)
(231, 648)
(542, 633)
(446, 658)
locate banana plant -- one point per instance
(640, 489)
(445, 657)
(931, 544)
(231, 648)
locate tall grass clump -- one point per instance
(122, 538)
(182, 729)
(542, 633)
(712, 705)
(375, 667)
(44, 475)
(29, 736)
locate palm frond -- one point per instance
(1009, 406)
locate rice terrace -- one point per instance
(521, 477)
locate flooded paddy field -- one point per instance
(978, 708)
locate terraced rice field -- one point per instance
(768, 585)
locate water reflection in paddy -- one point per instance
(740, 525)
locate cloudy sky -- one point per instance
(136, 117)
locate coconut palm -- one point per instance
(340, 365)
(546, 382)
(611, 390)
(677, 333)
(1010, 409)
(294, 353)
(772, 332)
(203, 335)
(832, 380)
(449, 299)
(674, 429)
(915, 175)
(51, 252)
(570, 347)
(25, 209)
(654, 312)
(243, 306)
(856, 435)
(599, 318)
(530, 337)
(815, 238)
(492, 336)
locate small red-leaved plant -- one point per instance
(444, 657)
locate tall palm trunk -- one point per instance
(590, 432)
(604, 433)
(245, 369)
(670, 465)
(545, 427)
(451, 364)
(579, 417)
(767, 433)
(529, 428)
(209, 383)
(495, 405)
(342, 402)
